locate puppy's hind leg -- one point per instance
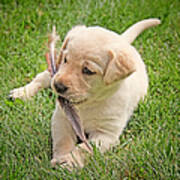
(42, 80)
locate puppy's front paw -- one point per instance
(18, 93)
(68, 161)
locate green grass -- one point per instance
(148, 147)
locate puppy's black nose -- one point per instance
(60, 88)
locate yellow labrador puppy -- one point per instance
(103, 75)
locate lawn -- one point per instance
(148, 147)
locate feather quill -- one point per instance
(68, 108)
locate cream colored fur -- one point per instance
(105, 100)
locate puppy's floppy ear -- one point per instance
(119, 66)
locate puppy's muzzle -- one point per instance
(60, 88)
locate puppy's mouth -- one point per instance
(77, 102)
(74, 101)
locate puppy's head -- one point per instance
(90, 61)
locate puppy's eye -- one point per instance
(85, 70)
(65, 60)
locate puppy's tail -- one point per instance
(131, 33)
